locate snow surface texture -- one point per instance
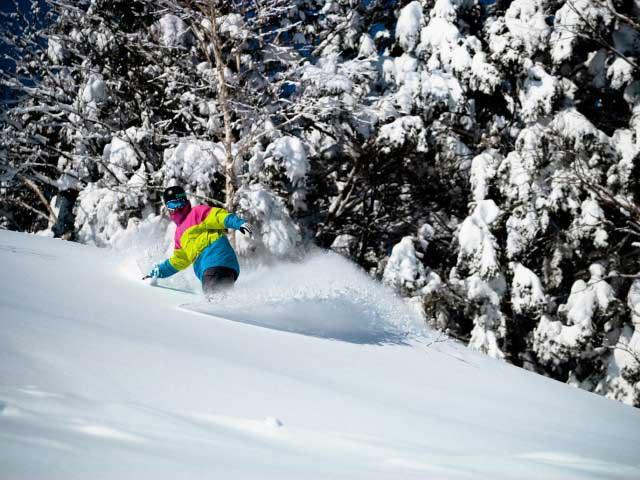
(102, 376)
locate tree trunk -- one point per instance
(229, 170)
(64, 227)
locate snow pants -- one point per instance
(218, 278)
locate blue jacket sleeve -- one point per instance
(231, 221)
(165, 269)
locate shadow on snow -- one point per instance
(331, 319)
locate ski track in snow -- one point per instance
(306, 370)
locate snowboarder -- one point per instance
(201, 239)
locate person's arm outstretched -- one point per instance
(178, 261)
(219, 219)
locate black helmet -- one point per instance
(174, 193)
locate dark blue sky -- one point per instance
(5, 64)
(8, 6)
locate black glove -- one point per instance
(247, 228)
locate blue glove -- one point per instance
(154, 273)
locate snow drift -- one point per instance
(324, 296)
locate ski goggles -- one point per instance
(173, 205)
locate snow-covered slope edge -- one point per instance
(102, 376)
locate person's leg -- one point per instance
(218, 278)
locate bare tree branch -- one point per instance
(32, 185)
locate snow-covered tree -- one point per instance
(405, 272)
(479, 278)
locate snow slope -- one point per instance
(102, 376)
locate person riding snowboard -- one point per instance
(201, 239)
